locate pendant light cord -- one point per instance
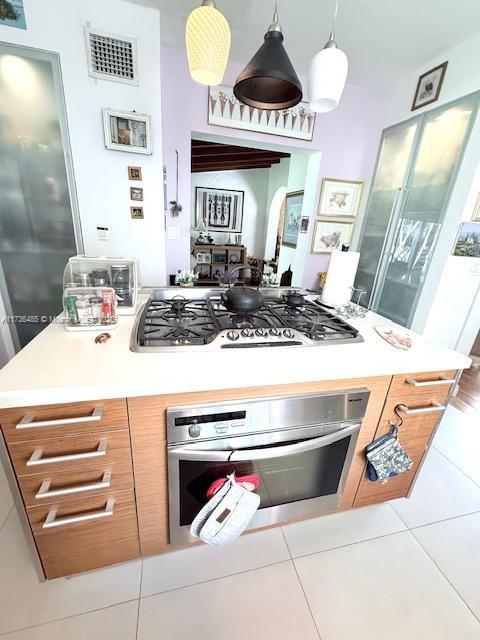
(335, 16)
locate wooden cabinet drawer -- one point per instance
(81, 535)
(411, 384)
(414, 436)
(51, 421)
(48, 487)
(70, 453)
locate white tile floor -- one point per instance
(408, 570)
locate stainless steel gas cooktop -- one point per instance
(183, 320)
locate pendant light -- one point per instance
(269, 80)
(328, 74)
(208, 41)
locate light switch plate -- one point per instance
(102, 233)
(173, 233)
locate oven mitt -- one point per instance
(389, 457)
(371, 473)
(226, 516)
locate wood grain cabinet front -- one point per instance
(69, 453)
(85, 534)
(410, 385)
(420, 414)
(50, 487)
(53, 421)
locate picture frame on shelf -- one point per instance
(429, 86)
(136, 194)
(221, 210)
(331, 234)
(340, 198)
(219, 258)
(135, 173)
(225, 110)
(127, 131)
(204, 257)
(291, 218)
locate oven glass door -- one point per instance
(290, 470)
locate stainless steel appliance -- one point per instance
(301, 447)
(288, 318)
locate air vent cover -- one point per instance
(111, 56)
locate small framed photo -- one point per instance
(204, 257)
(136, 213)
(136, 193)
(304, 221)
(127, 131)
(429, 86)
(467, 243)
(134, 173)
(330, 235)
(219, 257)
(340, 197)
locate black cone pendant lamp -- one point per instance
(269, 80)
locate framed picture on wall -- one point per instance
(467, 243)
(221, 210)
(330, 235)
(429, 86)
(340, 197)
(12, 14)
(292, 218)
(127, 131)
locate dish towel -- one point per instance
(225, 516)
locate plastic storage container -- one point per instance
(90, 308)
(119, 273)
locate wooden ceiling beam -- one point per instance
(263, 157)
(233, 167)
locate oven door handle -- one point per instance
(243, 455)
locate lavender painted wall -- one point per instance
(348, 138)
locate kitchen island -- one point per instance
(85, 427)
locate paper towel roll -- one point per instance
(340, 277)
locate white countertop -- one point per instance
(60, 366)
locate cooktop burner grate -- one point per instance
(180, 321)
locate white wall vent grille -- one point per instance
(111, 56)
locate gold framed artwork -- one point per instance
(429, 86)
(340, 197)
(136, 213)
(329, 235)
(136, 194)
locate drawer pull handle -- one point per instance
(27, 422)
(433, 407)
(430, 383)
(52, 521)
(37, 456)
(46, 492)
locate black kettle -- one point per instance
(242, 300)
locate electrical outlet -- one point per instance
(102, 233)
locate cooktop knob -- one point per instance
(246, 333)
(194, 430)
(233, 335)
(288, 333)
(260, 332)
(274, 332)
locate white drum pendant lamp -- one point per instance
(208, 41)
(327, 75)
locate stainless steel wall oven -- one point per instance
(301, 447)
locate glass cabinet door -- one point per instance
(417, 221)
(396, 149)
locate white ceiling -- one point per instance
(384, 39)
